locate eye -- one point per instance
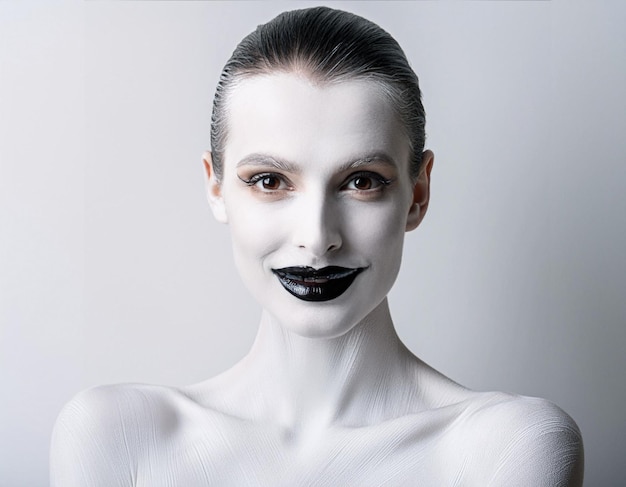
(266, 182)
(365, 181)
(362, 183)
(271, 183)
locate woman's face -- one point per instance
(317, 193)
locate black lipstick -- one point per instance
(311, 284)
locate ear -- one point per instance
(214, 189)
(421, 192)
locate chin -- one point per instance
(318, 329)
(316, 332)
(322, 320)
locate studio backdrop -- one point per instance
(113, 269)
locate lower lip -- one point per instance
(321, 289)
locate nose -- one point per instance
(317, 225)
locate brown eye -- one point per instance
(271, 183)
(366, 182)
(362, 183)
(266, 182)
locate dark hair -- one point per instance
(327, 45)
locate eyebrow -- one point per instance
(258, 159)
(267, 160)
(374, 158)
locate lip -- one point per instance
(309, 284)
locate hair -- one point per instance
(326, 45)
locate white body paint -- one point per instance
(328, 395)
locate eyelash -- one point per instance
(379, 181)
(257, 178)
(377, 178)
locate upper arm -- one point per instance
(89, 445)
(542, 446)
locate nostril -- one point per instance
(316, 227)
(320, 246)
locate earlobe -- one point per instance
(421, 192)
(214, 189)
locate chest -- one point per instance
(236, 453)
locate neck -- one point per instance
(356, 378)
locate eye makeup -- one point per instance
(267, 183)
(362, 181)
(366, 181)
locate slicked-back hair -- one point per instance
(326, 45)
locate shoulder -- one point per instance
(100, 435)
(527, 441)
(103, 407)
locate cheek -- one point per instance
(383, 239)
(254, 229)
(379, 228)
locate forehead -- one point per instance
(289, 116)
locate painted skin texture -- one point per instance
(316, 175)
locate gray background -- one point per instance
(112, 269)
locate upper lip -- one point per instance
(311, 275)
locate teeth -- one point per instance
(321, 279)
(316, 280)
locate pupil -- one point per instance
(362, 183)
(270, 182)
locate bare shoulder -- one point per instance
(102, 407)
(527, 441)
(100, 434)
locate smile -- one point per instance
(311, 284)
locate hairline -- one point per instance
(318, 80)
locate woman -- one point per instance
(318, 166)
